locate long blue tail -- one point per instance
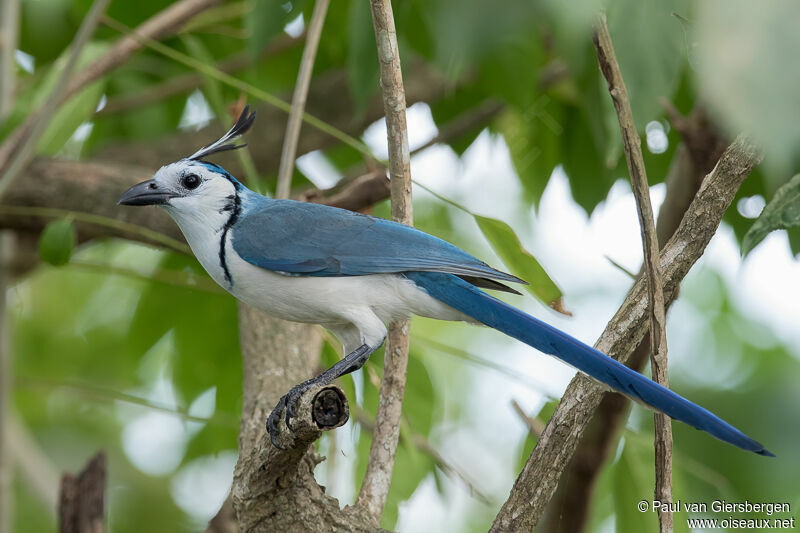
(473, 302)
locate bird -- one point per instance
(353, 274)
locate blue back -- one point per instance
(317, 240)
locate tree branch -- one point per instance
(155, 27)
(378, 476)
(658, 321)
(537, 482)
(25, 149)
(275, 490)
(295, 120)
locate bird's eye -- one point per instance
(191, 181)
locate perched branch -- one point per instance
(81, 506)
(275, 490)
(658, 321)
(295, 120)
(378, 476)
(319, 409)
(155, 27)
(537, 482)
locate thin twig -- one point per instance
(38, 471)
(155, 27)
(424, 445)
(658, 335)
(121, 226)
(378, 476)
(9, 32)
(535, 426)
(569, 509)
(104, 393)
(25, 150)
(299, 99)
(535, 485)
(6, 464)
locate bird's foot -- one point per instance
(288, 405)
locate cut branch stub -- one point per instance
(319, 409)
(329, 408)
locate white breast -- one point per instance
(366, 302)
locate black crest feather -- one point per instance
(222, 144)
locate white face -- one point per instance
(198, 194)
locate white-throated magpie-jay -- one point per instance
(354, 273)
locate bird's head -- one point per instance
(192, 186)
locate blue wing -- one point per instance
(317, 240)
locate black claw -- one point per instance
(291, 402)
(272, 423)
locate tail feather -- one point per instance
(484, 308)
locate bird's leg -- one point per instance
(349, 363)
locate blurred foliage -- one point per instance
(782, 212)
(100, 351)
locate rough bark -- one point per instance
(275, 490)
(81, 502)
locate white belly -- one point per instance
(326, 300)
(366, 302)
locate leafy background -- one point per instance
(133, 350)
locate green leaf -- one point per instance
(77, 110)
(648, 25)
(750, 86)
(213, 88)
(68, 117)
(521, 263)
(268, 19)
(633, 482)
(534, 142)
(363, 72)
(589, 178)
(57, 242)
(782, 212)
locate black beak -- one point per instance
(145, 193)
